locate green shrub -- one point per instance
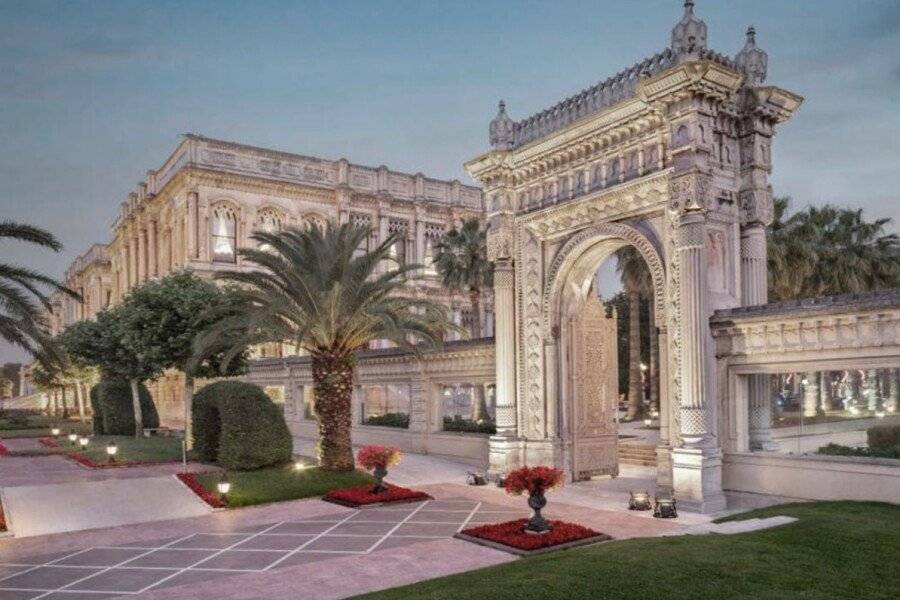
(97, 415)
(116, 409)
(399, 420)
(883, 436)
(880, 452)
(457, 423)
(238, 426)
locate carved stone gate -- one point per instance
(594, 381)
(672, 156)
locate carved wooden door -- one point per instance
(595, 386)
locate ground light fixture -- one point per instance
(639, 501)
(648, 422)
(73, 438)
(299, 466)
(665, 508)
(224, 486)
(54, 431)
(111, 450)
(880, 414)
(83, 441)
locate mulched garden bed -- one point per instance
(190, 480)
(362, 495)
(511, 537)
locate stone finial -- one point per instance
(502, 129)
(752, 60)
(689, 35)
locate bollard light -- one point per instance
(648, 422)
(665, 508)
(54, 431)
(299, 466)
(879, 414)
(83, 441)
(639, 501)
(111, 451)
(73, 438)
(224, 486)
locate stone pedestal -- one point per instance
(697, 479)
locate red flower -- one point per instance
(533, 479)
(190, 480)
(49, 442)
(3, 449)
(512, 533)
(370, 457)
(362, 495)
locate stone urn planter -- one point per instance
(535, 481)
(377, 459)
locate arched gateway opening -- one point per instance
(586, 394)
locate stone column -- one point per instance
(754, 291)
(192, 226)
(697, 465)
(141, 254)
(871, 390)
(132, 261)
(153, 250)
(810, 393)
(503, 445)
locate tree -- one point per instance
(461, 260)
(22, 295)
(109, 342)
(638, 283)
(314, 289)
(6, 387)
(165, 316)
(56, 377)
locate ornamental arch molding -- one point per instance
(583, 240)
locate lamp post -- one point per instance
(224, 486)
(111, 451)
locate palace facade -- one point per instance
(209, 196)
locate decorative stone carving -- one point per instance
(502, 129)
(689, 35)
(531, 375)
(689, 193)
(753, 61)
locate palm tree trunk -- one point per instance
(187, 395)
(475, 301)
(654, 359)
(634, 355)
(136, 404)
(333, 387)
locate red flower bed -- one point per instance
(362, 495)
(512, 533)
(48, 442)
(3, 449)
(190, 480)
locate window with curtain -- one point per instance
(223, 232)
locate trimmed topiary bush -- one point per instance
(116, 411)
(883, 436)
(239, 427)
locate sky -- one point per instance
(94, 94)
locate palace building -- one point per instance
(209, 196)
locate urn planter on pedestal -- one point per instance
(375, 459)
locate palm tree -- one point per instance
(313, 289)
(23, 296)
(461, 260)
(637, 282)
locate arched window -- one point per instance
(223, 234)
(268, 221)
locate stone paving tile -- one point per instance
(461, 505)
(122, 580)
(147, 544)
(194, 576)
(303, 527)
(274, 542)
(208, 540)
(18, 595)
(401, 542)
(304, 558)
(241, 559)
(63, 595)
(344, 544)
(47, 578)
(172, 559)
(6, 571)
(362, 529)
(100, 557)
(441, 529)
(381, 514)
(438, 516)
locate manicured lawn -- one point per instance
(837, 550)
(276, 484)
(150, 449)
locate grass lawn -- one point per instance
(276, 484)
(836, 550)
(155, 448)
(40, 427)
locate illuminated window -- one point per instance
(223, 232)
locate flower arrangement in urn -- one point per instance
(377, 459)
(535, 481)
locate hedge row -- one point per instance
(883, 436)
(114, 409)
(239, 427)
